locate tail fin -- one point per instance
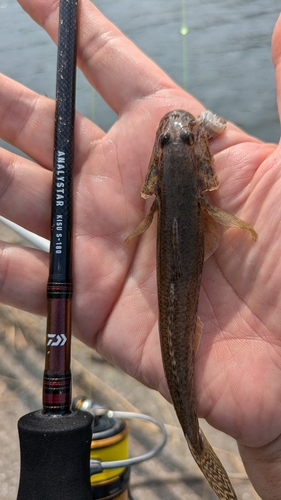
(212, 468)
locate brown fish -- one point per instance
(181, 170)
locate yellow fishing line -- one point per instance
(184, 31)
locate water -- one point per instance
(228, 47)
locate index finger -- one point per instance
(118, 70)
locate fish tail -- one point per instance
(212, 468)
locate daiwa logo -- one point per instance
(56, 340)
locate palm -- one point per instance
(115, 303)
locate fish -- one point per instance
(181, 170)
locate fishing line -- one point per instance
(184, 32)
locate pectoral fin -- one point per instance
(226, 219)
(145, 223)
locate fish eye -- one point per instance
(187, 136)
(165, 138)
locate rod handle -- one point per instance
(55, 456)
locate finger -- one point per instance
(21, 111)
(114, 65)
(119, 71)
(27, 122)
(276, 57)
(25, 193)
(263, 466)
(23, 278)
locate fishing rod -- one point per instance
(55, 441)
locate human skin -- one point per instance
(238, 364)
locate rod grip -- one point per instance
(55, 456)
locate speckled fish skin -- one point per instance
(180, 172)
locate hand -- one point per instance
(238, 365)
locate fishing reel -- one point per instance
(110, 464)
